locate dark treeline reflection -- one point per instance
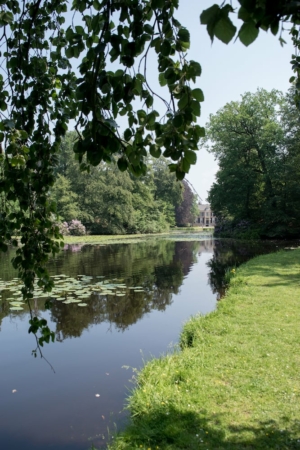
(158, 267)
(230, 253)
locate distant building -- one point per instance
(206, 217)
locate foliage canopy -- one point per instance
(256, 142)
(109, 201)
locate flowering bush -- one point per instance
(76, 228)
(64, 228)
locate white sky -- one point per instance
(228, 71)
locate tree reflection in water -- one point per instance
(230, 253)
(158, 266)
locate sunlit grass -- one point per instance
(235, 382)
(121, 238)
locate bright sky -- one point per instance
(228, 71)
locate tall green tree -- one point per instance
(66, 200)
(186, 211)
(255, 148)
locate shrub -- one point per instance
(64, 228)
(76, 228)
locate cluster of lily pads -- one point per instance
(67, 290)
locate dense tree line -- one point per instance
(109, 201)
(256, 143)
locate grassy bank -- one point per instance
(235, 383)
(132, 238)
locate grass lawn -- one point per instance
(132, 238)
(235, 383)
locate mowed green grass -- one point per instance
(133, 238)
(235, 383)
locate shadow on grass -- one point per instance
(172, 430)
(277, 270)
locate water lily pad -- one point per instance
(82, 304)
(16, 308)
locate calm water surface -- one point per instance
(93, 344)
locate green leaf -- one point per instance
(185, 165)
(184, 35)
(137, 87)
(179, 174)
(194, 68)
(141, 116)
(275, 28)
(158, 3)
(178, 120)
(200, 131)
(148, 28)
(79, 29)
(96, 5)
(195, 105)
(197, 94)
(209, 14)
(69, 52)
(224, 30)
(127, 134)
(149, 101)
(190, 156)
(248, 33)
(155, 151)
(169, 73)
(172, 167)
(6, 17)
(23, 135)
(183, 102)
(122, 164)
(162, 80)
(165, 48)
(243, 14)
(152, 117)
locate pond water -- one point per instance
(137, 297)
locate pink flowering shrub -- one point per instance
(64, 228)
(76, 228)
